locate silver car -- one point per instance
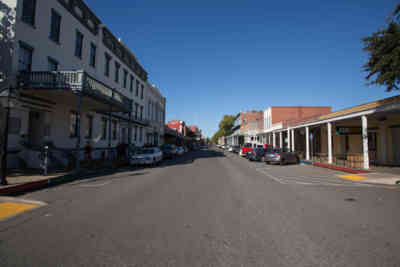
(281, 156)
(146, 156)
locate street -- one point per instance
(208, 208)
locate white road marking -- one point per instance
(95, 185)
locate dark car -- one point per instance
(257, 154)
(169, 151)
(281, 156)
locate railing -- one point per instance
(348, 160)
(72, 80)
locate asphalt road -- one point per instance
(208, 209)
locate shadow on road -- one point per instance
(190, 157)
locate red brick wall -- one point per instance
(292, 113)
(251, 118)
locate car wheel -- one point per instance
(267, 162)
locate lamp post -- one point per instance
(3, 174)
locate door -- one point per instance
(396, 145)
(36, 128)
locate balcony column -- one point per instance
(109, 129)
(307, 143)
(130, 128)
(273, 140)
(365, 141)
(330, 161)
(78, 131)
(288, 140)
(281, 140)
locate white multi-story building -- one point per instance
(155, 114)
(74, 81)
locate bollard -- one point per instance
(45, 160)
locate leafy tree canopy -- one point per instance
(225, 127)
(383, 47)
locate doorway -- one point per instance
(36, 128)
(396, 145)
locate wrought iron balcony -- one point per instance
(76, 81)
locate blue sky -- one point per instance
(218, 57)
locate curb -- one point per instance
(38, 185)
(333, 167)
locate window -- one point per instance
(141, 112)
(89, 129)
(141, 134)
(25, 57)
(78, 44)
(107, 66)
(125, 78)
(114, 130)
(73, 123)
(137, 87)
(141, 93)
(135, 134)
(55, 26)
(132, 80)
(136, 110)
(103, 129)
(52, 64)
(117, 66)
(92, 59)
(28, 11)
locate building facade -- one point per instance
(155, 111)
(275, 119)
(251, 126)
(73, 83)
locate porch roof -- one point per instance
(383, 105)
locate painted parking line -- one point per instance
(8, 209)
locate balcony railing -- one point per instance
(74, 81)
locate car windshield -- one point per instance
(145, 151)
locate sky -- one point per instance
(211, 58)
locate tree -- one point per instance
(225, 127)
(383, 47)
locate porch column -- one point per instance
(365, 141)
(78, 132)
(330, 161)
(292, 140)
(273, 140)
(288, 140)
(281, 140)
(307, 143)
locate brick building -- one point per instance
(276, 117)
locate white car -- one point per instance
(180, 150)
(146, 156)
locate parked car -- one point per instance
(146, 156)
(245, 148)
(257, 154)
(281, 156)
(169, 151)
(235, 149)
(180, 150)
